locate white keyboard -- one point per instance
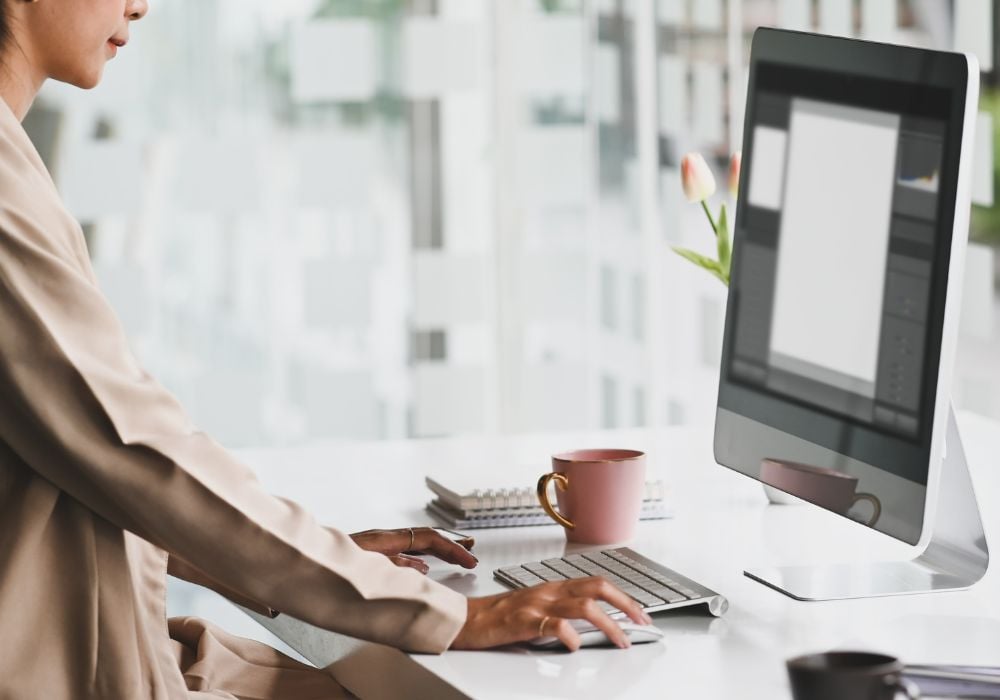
(653, 585)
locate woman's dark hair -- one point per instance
(4, 26)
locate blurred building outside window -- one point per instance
(377, 219)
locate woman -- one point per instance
(105, 485)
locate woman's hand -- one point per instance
(545, 610)
(426, 540)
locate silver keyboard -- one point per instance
(652, 585)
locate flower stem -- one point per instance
(711, 220)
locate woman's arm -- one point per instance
(83, 415)
(392, 543)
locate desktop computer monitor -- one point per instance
(843, 305)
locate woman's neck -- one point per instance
(18, 82)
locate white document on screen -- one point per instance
(833, 243)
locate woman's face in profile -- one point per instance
(72, 40)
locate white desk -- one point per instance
(722, 522)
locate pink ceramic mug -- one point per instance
(599, 493)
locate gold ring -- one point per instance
(541, 626)
(410, 547)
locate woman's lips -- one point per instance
(116, 44)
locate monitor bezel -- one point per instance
(959, 74)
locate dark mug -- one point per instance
(848, 675)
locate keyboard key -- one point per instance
(585, 565)
(566, 569)
(523, 576)
(575, 559)
(645, 599)
(664, 580)
(600, 558)
(544, 572)
(668, 595)
(639, 579)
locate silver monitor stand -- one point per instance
(956, 556)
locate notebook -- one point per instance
(519, 516)
(465, 497)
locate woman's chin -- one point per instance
(84, 79)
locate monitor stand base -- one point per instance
(955, 558)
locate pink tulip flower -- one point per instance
(696, 178)
(735, 162)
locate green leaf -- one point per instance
(723, 243)
(704, 262)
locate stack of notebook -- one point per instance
(469, 508)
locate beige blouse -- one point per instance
(104, 481)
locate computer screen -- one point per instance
(843, 249)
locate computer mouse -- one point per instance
(591, 636)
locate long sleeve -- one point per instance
(179, 568)
(79, 410)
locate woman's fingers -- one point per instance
(381, 541)
(601, 589)
(426, 540)
(430, 541)
(588, 609)
(411, 562)
(561, 628)
(547, 609)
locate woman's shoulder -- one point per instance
(30, 205)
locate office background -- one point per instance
(377, 219)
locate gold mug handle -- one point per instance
(562, 482)
(876, 504)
